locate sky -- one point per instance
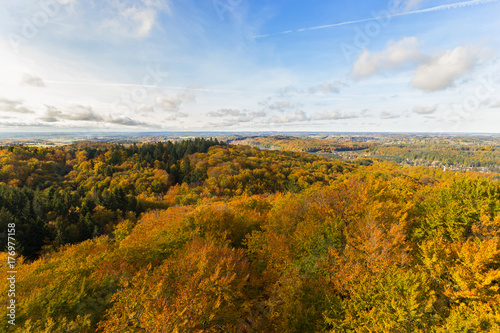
(240, 65)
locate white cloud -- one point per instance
(444, 69)
(287, 91)
(32, 80)
(334, 115)
(81, 113)
(495, 104)
(172, 103)
(126, 121)
(425, 109)
(225, 112)
(175, 116)
(432, 73)
(287, 118)
(86, 20)
(396, 56)
(144, 108)
(142, 19)
(15, 106)
(76, 113)
(244, 119)
(224, 123)
(168, 103)
(23, 124)
(237, 116)
(133, 19)
(280, 105)
(326, 88)
(258, 114)
(388, 115)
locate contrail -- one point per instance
(420, 11)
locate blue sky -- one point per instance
(236, 65)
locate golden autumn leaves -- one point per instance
(351, 249)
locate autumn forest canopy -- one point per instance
(202, 235)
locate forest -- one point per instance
(459, 153)
(204, 236)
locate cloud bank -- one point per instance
(396, 56)
(444, 69)
(431, 72)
